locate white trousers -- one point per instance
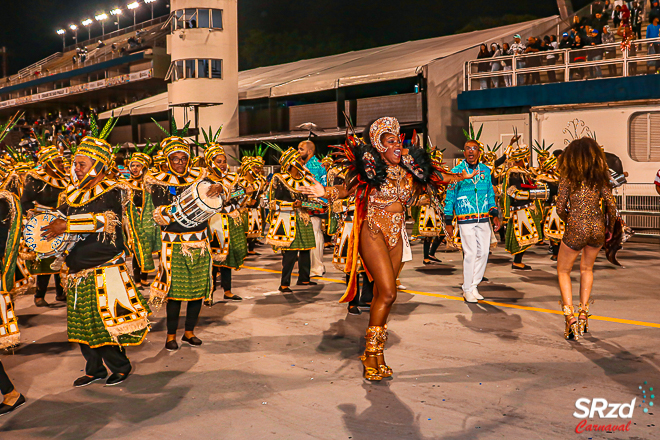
(318, 269)
(475, 239)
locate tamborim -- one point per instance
(193, 207)
(35, 241)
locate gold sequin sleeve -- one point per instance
(562, 199)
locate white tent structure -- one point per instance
(440, 60)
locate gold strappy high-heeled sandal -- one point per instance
(571, 331)
(583, 318)
(371, 351)
(385, 371)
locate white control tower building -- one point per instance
(203, 45)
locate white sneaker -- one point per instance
(476, 294)
(469, 297)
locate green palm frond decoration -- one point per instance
(470, 136)
(163, 129)
(9, 125)
(541, 148)
(274, 147)
(109, 126)
(149, 147)
(495, 147)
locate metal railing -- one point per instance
(31, 68)
(639, 204)
(591, 62)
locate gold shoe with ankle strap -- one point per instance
(571, 331)
(583, 318)
(371, 351)
(385, 371)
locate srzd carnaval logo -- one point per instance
(588, 408)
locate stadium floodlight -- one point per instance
(74, 28)
(101, 18)
(117, 12)
(133, 6)
(62, 32)
(146, 2)
(88, 24)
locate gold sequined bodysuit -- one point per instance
(397, 188)
(581, 210)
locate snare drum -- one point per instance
(34, 240)
(193, 207)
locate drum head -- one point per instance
(34, 240)
(211, 202)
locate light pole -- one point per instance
(101, 18)
(117, 12)
(88, 24)
(133, 6)
(74, 28)
(152, 6)
(62, 32)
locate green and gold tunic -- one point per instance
(290, 228)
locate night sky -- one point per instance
(270, 31)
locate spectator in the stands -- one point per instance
(598, 20)
(534, 46)
(483, 66)
(518, 48)
(607, 37)
(566, 41)
(655, 10)
(653, 31)
(495, 66)
(637, 18)
(550, 42)
(595, 54)
(577, 55)
(626, 33)
(616, 16)
(625, 15)
(507, 63)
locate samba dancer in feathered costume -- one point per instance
(41, 193)
(105, 310)
(385, 179)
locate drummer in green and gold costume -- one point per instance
(138, 165)
(523, 207)
(41, 193)
(228, 238)
(290, 228)
(185, 252)
(105, 310)
(251, 174)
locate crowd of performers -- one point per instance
(190, 220)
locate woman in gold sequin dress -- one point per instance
(385, 179)
(584, 184)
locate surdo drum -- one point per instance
(193, 207)
(36, 242)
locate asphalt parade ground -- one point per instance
(285, 366)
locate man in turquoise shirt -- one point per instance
(472, 201)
